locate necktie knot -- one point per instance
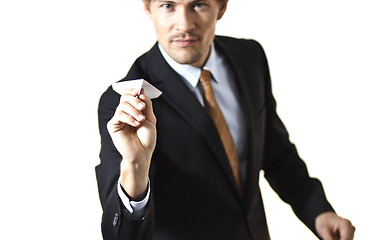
(205, 76)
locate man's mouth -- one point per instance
(185, 42)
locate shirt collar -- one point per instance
(192, 74)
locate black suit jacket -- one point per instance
(194, 194)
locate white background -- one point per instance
(57, 57)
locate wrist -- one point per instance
(134, 179)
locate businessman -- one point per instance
(186, 164)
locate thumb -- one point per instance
(148, 111)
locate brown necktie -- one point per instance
(216, 114)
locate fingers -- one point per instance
(148, 111)
(130, 107)
(131, 110)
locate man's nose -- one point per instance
(184, 20)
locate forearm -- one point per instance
(134, 179)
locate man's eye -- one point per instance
(200, 5)
(167, 6)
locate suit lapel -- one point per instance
(240, 66)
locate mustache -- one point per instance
(179, 36)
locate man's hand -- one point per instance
(330, 226)
(133, 130)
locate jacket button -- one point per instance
(115, 220)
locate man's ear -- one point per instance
(222, 8)
(147, 8)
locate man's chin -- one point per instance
(185, 56)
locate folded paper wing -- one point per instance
(150, 91)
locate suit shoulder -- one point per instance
(237, 44)
(238, 41)
(109, 100)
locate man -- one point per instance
(168, 172)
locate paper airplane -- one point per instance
(151, 91)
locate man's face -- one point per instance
(185, 28)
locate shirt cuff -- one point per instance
(136, 209)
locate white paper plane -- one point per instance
(151, 91)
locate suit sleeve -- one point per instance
(285, 170)
(116, 223)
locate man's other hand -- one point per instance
(330, 226)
